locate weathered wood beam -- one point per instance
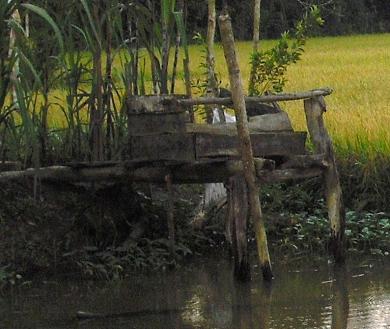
(263, 144)
(263, 99)
(257, 124)
(197, 146)
(274, 176)
(314, 109)
(10, 166)
(236, 85)
(198, 172)
(66, 174)
(238, 213)
(305, 161)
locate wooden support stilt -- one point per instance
(170, 214)
(238, 211)
(245, 143)
(314, 109)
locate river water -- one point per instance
(203, 295)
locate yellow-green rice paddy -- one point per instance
(357, 68)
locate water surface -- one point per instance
(204, 295)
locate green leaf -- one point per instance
(43, 13)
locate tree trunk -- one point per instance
(210, 43)
(256, 38)
(165, 50)
(245, 144)
(215, 191)
(256, 25)
(15, 69)
(212, 83)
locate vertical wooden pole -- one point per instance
(256, 24)
(170, 215)
(212, 83)
(245, 143)
(238, 219)
(314, 109)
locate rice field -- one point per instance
(357, 68)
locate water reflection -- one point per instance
(340, 303)
(205, 296)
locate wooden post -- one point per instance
(212, 83)
(237, 220)
(245, 144)
(170, 215)
(314, 108)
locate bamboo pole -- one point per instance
(256, 24)
(255, 99)
(15, 69)
(314, 109)
(245, 143)
(212, 83)
(256, 37)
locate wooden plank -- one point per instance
(10, 166)
(263, 99)
(92, 164)
(190, 173)
(154, 103)
(269, 177)
(194, 172)
(265, 144)
(270, 122)
(257, 124)
(154, 123)
(176, 147)
(305, 161)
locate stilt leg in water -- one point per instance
(314, 109)
(236, 86)
(238, 220)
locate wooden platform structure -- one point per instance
(164, 147)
